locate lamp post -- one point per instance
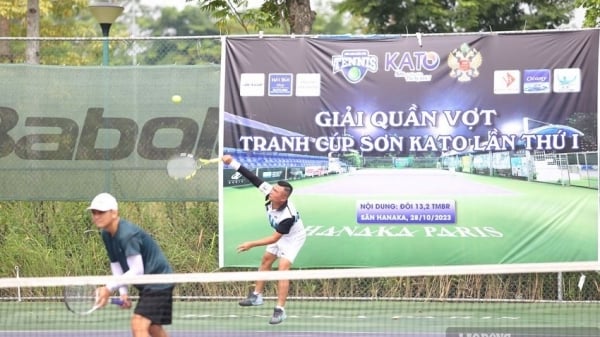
(105, 12)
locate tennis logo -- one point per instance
(354, 64)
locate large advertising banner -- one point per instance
(416, 150)
(84, 130)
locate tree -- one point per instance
(334, 24)
(592, 12)
(294, 16)
(446, 16)
(400, 17)
(191, 21)
(10, 11)
(506, 15)
(299, 16)
(32, 53)
(37, 18)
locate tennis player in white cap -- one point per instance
(132, 251)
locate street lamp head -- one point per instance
(106, 11)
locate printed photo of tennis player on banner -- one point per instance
(442, 150)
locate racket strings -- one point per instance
(185, 166)
(81, 299)
(182, 167)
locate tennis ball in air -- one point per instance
(176, 99)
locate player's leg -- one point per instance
(266, 264)
(283, 286)
(289, 247)
(140, 326)
(158, 331)
(255, 296)
(154, 309)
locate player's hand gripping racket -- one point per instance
(185, 166)
(83, 299)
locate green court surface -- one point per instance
(498, 221)
(326, 316)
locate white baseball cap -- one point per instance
(104, 202)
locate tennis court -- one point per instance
(330, 318)
(494, 215)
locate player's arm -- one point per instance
(136, 267)
(253, 178)
(282, 228)
(260, 242)
(116, 269)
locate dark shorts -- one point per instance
(156, 305)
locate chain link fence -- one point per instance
(206, 50)
(189, 50)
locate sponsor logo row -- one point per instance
(537, 81)
(416, 66)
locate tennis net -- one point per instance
(423, 302)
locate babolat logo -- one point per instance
(64, 139)
(354, 64)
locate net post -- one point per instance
(559, 290)
(18, 286)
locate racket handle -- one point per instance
(116, 301)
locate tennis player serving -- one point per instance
(285, 242)
(131, 252)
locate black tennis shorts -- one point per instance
(156, 305)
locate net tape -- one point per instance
(217, 277)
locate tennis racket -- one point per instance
(83, 300)
(185, 166)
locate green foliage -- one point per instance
(57, 18)
(72, 18)
(504, 15)
(58, 238)
(230, 15)
(398, 17)
(592, 12)
(445, 16)
(191, 21)
(336, 24)
(16, 9)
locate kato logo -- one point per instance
(412, 66)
